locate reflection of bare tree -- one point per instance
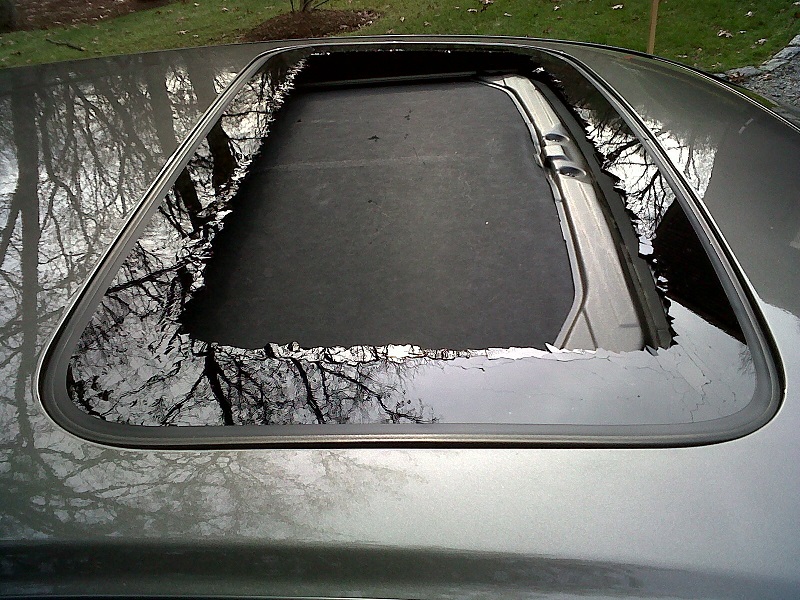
(224, 163)
(692, 152)
(75, 148)
(646, 193)
(186, 381)
(308, 387)
(47, 240)
(75, 155)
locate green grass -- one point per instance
(687, 29)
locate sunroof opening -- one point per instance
(405, 214)
(413, 243)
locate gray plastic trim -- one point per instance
(603, 314)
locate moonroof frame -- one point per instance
(52, 372)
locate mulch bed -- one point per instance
(315, 23)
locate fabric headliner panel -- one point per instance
(411, 214)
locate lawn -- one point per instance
(710, 34)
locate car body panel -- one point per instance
(710, 521)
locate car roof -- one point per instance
(713, 520)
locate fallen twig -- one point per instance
(67, 44)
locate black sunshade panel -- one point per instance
(410, 214)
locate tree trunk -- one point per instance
(8, 16)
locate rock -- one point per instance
(743, 73)
(788, 52)
(772, 64)
(795, 41)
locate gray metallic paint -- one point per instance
(713, 521)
